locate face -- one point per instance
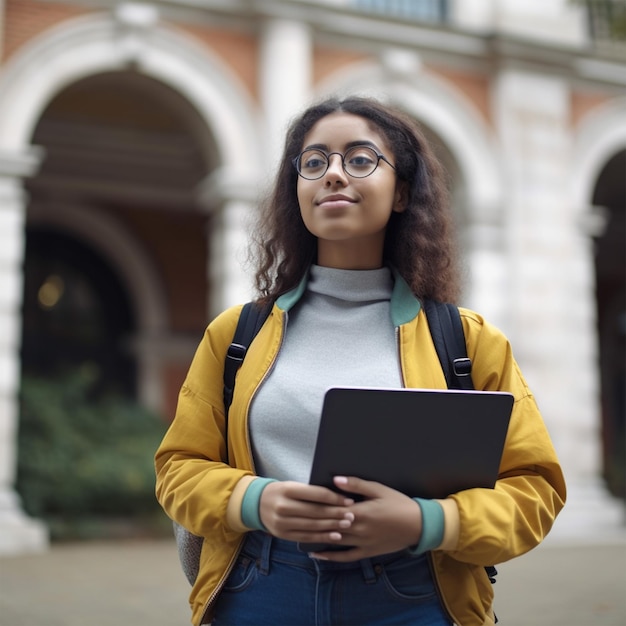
(348, 215)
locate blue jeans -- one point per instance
(274, 584)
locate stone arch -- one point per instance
(106, 42)
(600, 135)
(443, 109)
(400, 79)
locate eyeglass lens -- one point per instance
(358, 162)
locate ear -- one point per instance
(401, 197)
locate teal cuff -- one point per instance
(433, 525)
(251, 501)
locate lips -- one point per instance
(335, 201)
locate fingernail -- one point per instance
(342, 480)
(349, 516)
(335, 536)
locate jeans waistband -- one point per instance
(265, 548)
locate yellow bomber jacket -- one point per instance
(483, 526)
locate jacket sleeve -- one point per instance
(498, 524)
(193, 482)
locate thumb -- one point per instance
(352, 484)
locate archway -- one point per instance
(599, 197)
(124, 154)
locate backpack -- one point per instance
(446, 330)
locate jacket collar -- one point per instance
(404, 304)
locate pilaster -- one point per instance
(229, 197)
(18, 532)
(550, 288)
(285, 68)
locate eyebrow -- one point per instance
(350, 144)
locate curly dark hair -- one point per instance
(419, 241)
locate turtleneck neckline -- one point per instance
(351, 285)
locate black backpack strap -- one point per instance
(251, 319)
(446, 330)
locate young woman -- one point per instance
(356, 232)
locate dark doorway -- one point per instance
(610, 193)
(77, 315)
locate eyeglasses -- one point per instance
(358, 162)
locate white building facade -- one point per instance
(526, 107)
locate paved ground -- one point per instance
(139, 583)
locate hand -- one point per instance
(386, 521)
(305, 513)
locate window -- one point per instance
(418, 10)
(607, 24)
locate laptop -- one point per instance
(424, 443)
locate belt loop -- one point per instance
(264, 558)
(369, 575)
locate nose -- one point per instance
(335, 171)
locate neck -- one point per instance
(352, 255)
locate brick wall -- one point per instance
(25, 19)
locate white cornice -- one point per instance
(346, 27)
(599, 70)
(338, 24)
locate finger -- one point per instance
(310, 511)
(303, 525)
(309, 537)
(316, 494)
(367, 488)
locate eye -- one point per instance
(360, 161)
(312, 160)
(361, 156)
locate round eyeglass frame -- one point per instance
(296, 161)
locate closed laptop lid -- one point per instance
(424, 443)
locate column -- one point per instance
(18, 533)
(230, 199)
(285, 70)
(485, 254)
(551, 319)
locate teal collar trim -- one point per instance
(289, 299)
(404, 304)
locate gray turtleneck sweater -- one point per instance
(339, 334)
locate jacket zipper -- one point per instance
(263, 379)
(397, 333)
(235, 556)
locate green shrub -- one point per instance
(82, 457)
